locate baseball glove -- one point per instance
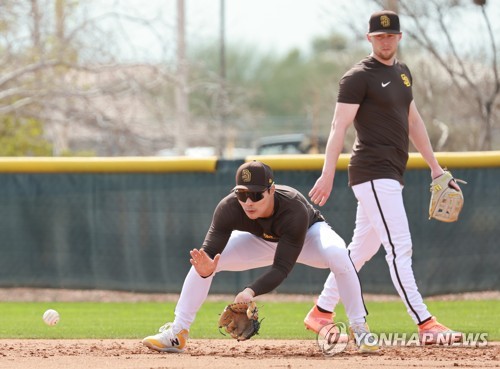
(446, 202)
(240, 320)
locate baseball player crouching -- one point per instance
(258, 224)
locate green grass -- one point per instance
(281, 320)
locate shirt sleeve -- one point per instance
(287, 252)
(352, 88)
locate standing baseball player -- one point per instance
(376, 94)
(262, 224)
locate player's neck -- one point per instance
(390, 62)
(270, 211)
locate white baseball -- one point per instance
(51, 317)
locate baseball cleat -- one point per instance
(432, 332)
(169, 339)
(323, 325)
(366, 342)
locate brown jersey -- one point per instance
(384, 94)
(292, 217)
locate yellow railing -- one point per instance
(476, 159)
(107, 165)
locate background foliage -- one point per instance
(63, 70)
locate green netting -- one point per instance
(134, 231)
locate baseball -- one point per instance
(51, 317)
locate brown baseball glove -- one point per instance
(446, 202)
(240, 320)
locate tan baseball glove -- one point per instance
(240, 320)
(446, 202)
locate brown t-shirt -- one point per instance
(292, 217)
(384, 94)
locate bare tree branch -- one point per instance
(461, 74)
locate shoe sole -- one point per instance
(162, 349)
(369, 350)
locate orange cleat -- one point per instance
(323, 325)
(434, 333)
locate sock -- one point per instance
(321, 310)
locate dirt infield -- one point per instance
(215, 354)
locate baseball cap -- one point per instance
(254, 176)
(385, 21)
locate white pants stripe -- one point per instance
(323, 248)
(381, 219)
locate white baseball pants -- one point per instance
(323, 248)
(381, 219)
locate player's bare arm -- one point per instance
(203, 264)
(342, 119)
(420, 139)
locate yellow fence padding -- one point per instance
(475, 159)
(108, 165)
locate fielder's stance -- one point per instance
(376, 94)
(260, 224)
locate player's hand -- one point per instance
(452, 184)
(202, 263)
(246, 295)
(320, 193)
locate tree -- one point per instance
(60, 67)
(22, 137)
(473, 74)
(268, 94)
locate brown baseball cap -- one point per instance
(385, 21)
(254, 176)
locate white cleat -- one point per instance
(169, 339)
(366, 342)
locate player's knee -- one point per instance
(339, 260)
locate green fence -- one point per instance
(130, 225)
